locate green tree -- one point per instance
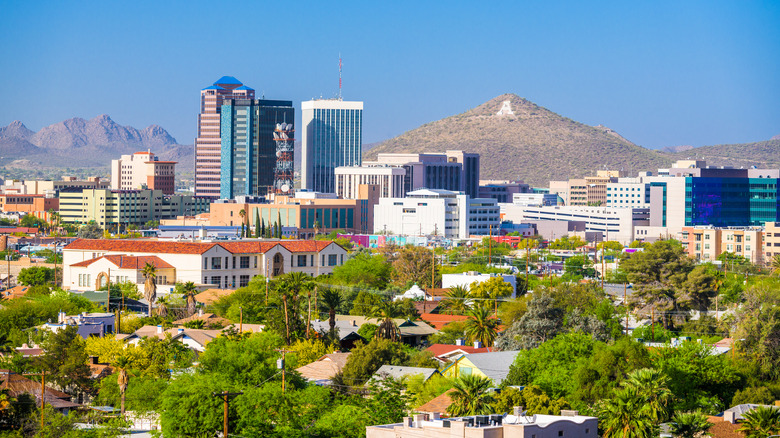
(291, 286)
(65, 359)
(579, 266)
(414, 264)
(385, 312)
(31, 221)
(162, 307)
(331, 299)
(150, 285)
(258, 229)
(188, 291)
(566, 242)
(689, 425)
(365, 359)
(242, 215)
(594, 379)
(363, 268)
(761, 422)
(470, 396)
(36, 276)
(364, 303)
(624, 415)
(481, 325)
(542, 321)
(121, 365)
(456, 301)
(90, 231)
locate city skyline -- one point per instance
(661, 75)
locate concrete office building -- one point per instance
(143, 170)
(771, 241)
(249, 150)
(331, 136)
(110, 208)
(534, 199)
(389, 179)
(453, 170)
(436, 212)
(502, 191)
(208, 144)
(613, 223)
(36, 205)
(52, 188)
(628, 192)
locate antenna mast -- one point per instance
(339, 76)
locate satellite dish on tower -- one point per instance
(285, 188)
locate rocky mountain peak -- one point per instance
(16, 129)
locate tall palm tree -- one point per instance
(776, 264)
(689, 425)
(481, 325)
(456, 301)
(653, 387)
(150, 285)
(188, 290)
(761, 422)
(385, 311)
(290, 287)
(121, 364)
(242, 214)
(162, 307)
(470, 396)
(625, 415)
(332, 300)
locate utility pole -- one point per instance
(226, 397)
(433, 267)
(490, 245)
(241, 320)
(652, 323)
(280, 364)
(625, 302)
(603, 269)
(43, 390)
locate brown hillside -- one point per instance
(534, 144)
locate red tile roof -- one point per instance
(129, 262)
(438, 320)
(438, 404)
(440, 349)
(723, 429)
(135, 245)
(248, 247)
(306, 245)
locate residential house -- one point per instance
(494, 365)
(87, 324)
(195, 339)
(445, 353)
(439, 320)
(209, 296)
(322, 370)
(16, 384)
(466, 279)
(412, 332)
(398, 372)
(347, 332)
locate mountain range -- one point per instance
(519, 140)
(80, 143)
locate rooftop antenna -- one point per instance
(339, 75)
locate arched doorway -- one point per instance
(101, 281)
(278, 268)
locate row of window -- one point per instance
(216, 262)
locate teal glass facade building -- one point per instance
(731, 202)
(248, 149)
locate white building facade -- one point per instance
(436, 212)
(389, 179)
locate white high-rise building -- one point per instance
(331, 136)
(389, 179)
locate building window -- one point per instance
(216, 281)
(332, 260)
(216, 263)
(301, 260)
(243, 281)
(244, 262)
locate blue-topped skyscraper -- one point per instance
(331, 136)
(208, 144)
(253, 150)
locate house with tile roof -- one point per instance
(412, 332)
(494, 365)
(16, 384)
(322, 370)
(195, 339)
(446, 353)
(89, 264)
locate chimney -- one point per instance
(460, 342)
(200, 312)
(159, 329)
(517, 411)
(730, 416)
(418, 419)
(354, 323)
(408, 422)
(477, 344)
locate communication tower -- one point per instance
(283, 171)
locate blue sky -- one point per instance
(661, 73)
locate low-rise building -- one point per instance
(771, 241)
(502, 191)
(389, 179)
(517, 425)
(494, 365)
(36, 205)
(87, 263)
(87, 324)
(708, 243)
(437, 212)
(466, 279)
(110, 208)
(143, 170)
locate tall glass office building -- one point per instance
(725, 202)
(332, 136)
(248, 147)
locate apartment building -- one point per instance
(388, 179)
(143, 170)
(771, 241)
(113, 207)
(208, 143)
(91, 264)
(52, 188)
(707, 243)
(437, 212)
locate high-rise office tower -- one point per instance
(208, 144)
(332, 136)
(252, 147)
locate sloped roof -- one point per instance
(244, 87)
(438, 404)
(441, 349)
(307, 245)
(206, 318)
(208, 296)
(325, 367)
(741, 410)
(723, 429)
(227, 80)
(143, 246)
(407, 328)
(128, 262)
(15, 292)
(213, 87)
(200, 336)
(495, 364)
(398, 372)
(438, 320)
(18, 384)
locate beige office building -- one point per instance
(143, 170)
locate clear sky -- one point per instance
(661, 73)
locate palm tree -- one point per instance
(776, 264)
(470, 396)
(761, 422)
(121, 364)
(653, 387)
(689, 425)
(456, 301)
(625, 415)
(385, 312)
(242, 214)
(150, 285)
(188, 290)
(332, 300)
(290, 287)
(162, 307)
(481, 326)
